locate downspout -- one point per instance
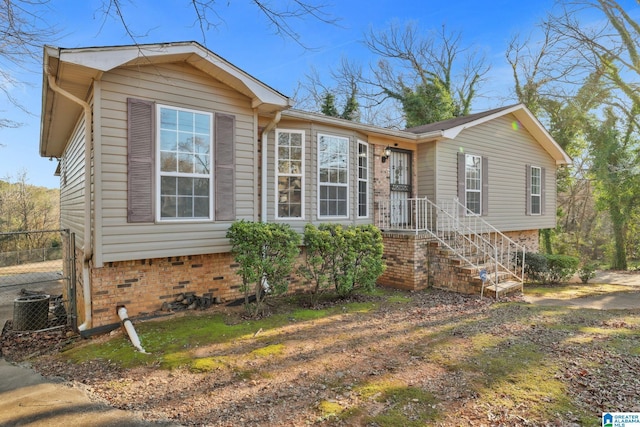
(272, 124)
(88, 246)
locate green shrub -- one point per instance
(535, 266)
(345, 257)
(587, 272)
(265, 253)
(561, 267)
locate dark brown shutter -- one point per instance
(140, 156)
(484, 210)
(542, 191)
(461, 178)
(527, 186)
(225, 164)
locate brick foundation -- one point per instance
(413, 262)
(406, 258)
(144, 285)
(417, 261)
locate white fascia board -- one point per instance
(108, 58)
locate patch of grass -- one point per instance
(517, 376)
(567, 291)
(330, 409)
(308, 314)
(268, 351)
(171, 341)
(208, 364)
(404, 405)
(399, 299)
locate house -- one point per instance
(161, 147)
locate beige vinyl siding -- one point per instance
(426, 164)
(509, 147)
(180, 86)
(72, 176)
(310, 209)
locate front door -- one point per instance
(400, 186)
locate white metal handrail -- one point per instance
(469, 236)
(510, 254)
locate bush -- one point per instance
(345, 257)
(535, 266)
(266, 253)
(561, 267)
(587, 272)
(548, 268)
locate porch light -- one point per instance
(387, 153)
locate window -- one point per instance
(333, 176)
(473, 184)
(172, 173)
(536, 190)
(363, 179)
(289, 173)
(535, 177)
(184, 167)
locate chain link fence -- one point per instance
(37, 280)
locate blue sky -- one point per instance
(244, 38)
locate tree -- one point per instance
(343, 94)
(23, 31)
(280, 16)
(618, 177)
(25, 207)
(414, 67)
(25, 28)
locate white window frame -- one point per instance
(158, 162)
(537, 195)
(329, 184)
(290, 174)
(468, 190)
(363, 171)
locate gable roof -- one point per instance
(451, 128)
(74, 70)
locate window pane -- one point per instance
(201, 164)
(185, 186)
(168, 140)
(168, 185)
(185, 150)
(185, 207)
(185, 121)
(168, 119)
(535, 204)
(473, 202)
(185, 163)
(168, 207)
(201, 187)
(168, 162)
(333, 157)
(202, 124)
(201, 207)
(289, 175)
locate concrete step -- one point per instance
(504, 288)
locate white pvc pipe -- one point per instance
(128, 326)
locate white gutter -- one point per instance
(88, 246)
(272, 124)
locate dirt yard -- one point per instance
(424, 358)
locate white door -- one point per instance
(400, 186)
